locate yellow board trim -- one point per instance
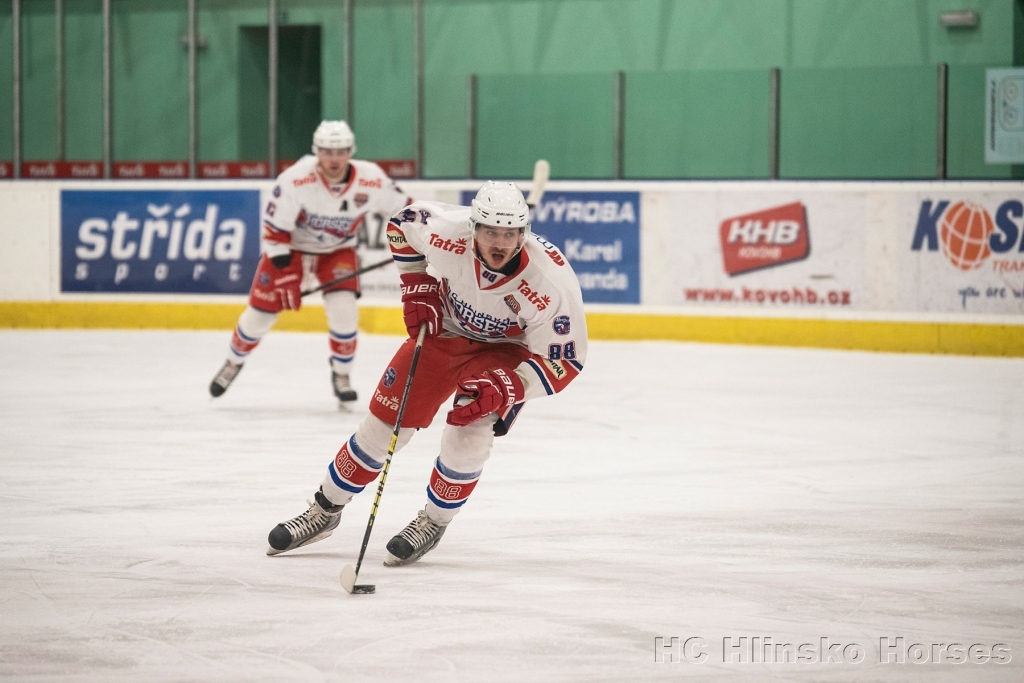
(864, 335)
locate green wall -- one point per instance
(858, 83)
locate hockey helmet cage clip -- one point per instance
(333, 135)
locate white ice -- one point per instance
(675, 490)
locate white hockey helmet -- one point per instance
(333, 135)
(501, 205)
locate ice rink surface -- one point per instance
(675, 490)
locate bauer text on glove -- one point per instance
(421, 303)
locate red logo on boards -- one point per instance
(765, 238)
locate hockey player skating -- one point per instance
(505, 324)
(310, 225)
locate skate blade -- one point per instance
(272, 551)
(348, 582)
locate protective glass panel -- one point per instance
(858, 123)
(569, 120)
(697, 124)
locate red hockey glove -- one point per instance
(493, 391)
(421, 303)
(286, 280)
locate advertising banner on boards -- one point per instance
(757, 249)
(173, 241)
(962, 252)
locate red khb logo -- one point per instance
(765, 239)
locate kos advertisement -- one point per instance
(599, 233)
(759, 250)
(185, 241)
(963, 252)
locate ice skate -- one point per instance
(312, 525)
(414, 541)
(224, 378)
(342, 388)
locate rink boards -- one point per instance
(908, 266)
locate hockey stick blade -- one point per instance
(541, 172)
(348, 582)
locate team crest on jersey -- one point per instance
(511, 302)
(271, 208)
(264, 279)
(361, 198)
(561, 324)
(277, 190)
(389, 377)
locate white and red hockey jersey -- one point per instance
(539, 305)
(305, 213)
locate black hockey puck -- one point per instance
(364, 589)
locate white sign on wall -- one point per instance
(1004, 116)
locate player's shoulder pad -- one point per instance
(549, 270)
(302, 172)
(435, 213)
(549, 259)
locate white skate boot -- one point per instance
(316, 523)
(342, 387)
(419, 537)
(224, 378)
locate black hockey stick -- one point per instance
(349, 276)
(348, 574)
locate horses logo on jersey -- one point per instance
(361, 198)
(561, 325)
(510, 301)
(339, 226)
(389, 377)
(479, 323)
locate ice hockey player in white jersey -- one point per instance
(505, 325)
(310, 225)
